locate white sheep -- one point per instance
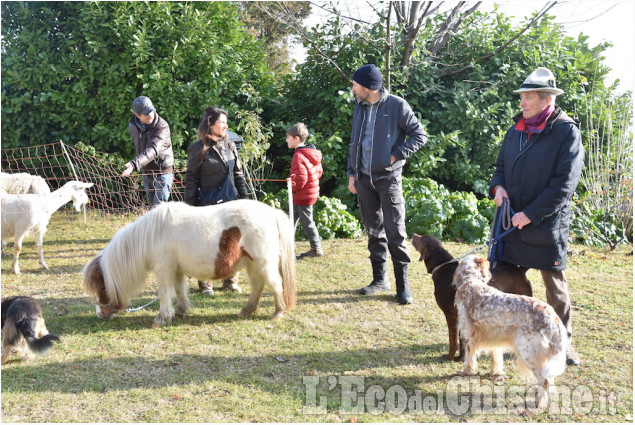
(24, 213)
(20, 183)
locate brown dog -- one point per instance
(440, 264)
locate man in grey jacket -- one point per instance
(155, 159)
(385, 133)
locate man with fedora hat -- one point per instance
(385, 133)
(538, 168)
(155, 159)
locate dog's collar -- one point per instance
(454, 260)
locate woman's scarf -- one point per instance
(536, 124)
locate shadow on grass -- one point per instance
(83, 251)
(272, 373)
(78, 315)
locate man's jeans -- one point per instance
(157, 187)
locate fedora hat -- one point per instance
(540, 80)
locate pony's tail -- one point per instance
(287, 259)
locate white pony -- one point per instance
(174, 240)
(24, 213)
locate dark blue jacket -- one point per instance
(541, 175)
(394, 121)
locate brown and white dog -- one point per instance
(23, 328)
(442, 265)
(492, 320)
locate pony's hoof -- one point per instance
(180, 313)
(160, 322)
(278, 315)
(499, 378)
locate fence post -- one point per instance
(70, 163)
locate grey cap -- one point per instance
(142, 105)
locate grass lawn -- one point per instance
(337, 357)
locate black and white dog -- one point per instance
(23, 328)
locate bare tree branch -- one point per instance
(503, 46)
(451, 23)
(338, 13)
(300, 29)
(411, 30)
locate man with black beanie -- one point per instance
(385, 133)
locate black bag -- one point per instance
(227, 192)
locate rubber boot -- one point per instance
(404, 296)
(380, 280)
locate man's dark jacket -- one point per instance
(153, 146)
(540, 175)
(394, 121)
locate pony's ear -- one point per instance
(93, 276)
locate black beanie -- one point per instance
(368, 76)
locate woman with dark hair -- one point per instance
(214, 173)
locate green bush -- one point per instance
(432, 209)
(70, 70)
(595, 227)
(330, 215)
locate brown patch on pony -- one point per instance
(230, 252)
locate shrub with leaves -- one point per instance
(434, 210)
(596, 226)
(330, 215)
(70, 70)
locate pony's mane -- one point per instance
(124, 262)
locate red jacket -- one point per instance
(306, 170)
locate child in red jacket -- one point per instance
(306, 170)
